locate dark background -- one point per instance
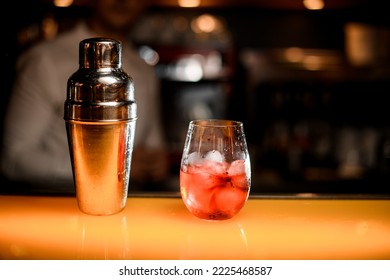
(289, 112)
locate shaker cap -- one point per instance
(100, 90)
(100, 53)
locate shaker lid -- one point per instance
(100, 53)
(100, 90)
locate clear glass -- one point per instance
(215, 169)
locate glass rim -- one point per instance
(216, 123)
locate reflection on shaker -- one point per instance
(100, 114)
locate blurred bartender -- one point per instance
(35, 149)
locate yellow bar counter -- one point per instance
(157, 227)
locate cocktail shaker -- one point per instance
(100, 114)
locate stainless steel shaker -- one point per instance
(100, 113)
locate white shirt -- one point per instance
(35, 141)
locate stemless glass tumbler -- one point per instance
(215, 169)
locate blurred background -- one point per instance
(309, 79)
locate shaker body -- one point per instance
(100, 115)
(101, 161)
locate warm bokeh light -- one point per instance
(314, 4)
(49, 27)
(360, 40)
(207, 24)
(294, 54)
(312, 62)
(63, 3)
(188, 3)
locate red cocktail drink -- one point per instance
(215, 190)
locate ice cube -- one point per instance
(236, 167)
(215, 168)
(229, 201)
(194, 158)
(214, 155)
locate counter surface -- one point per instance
(52, 227)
